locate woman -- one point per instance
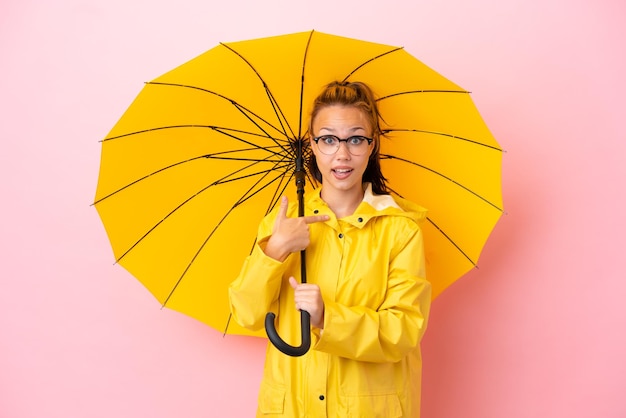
(366, 290)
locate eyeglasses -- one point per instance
(329, 144)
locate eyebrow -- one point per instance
(353, 129)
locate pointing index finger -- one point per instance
(284, 204)
(315, 218)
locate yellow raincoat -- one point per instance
(370, 268)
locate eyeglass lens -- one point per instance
(329, 144)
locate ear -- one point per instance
(312, 145)
(373, 149)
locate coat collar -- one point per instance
(373, 205)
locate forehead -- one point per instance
(338, 117)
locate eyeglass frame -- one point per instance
(339, 141)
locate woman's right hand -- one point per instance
(290, 235)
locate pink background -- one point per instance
(537, 331)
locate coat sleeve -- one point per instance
(255, 291)
(390, 332)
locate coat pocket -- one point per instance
(271, 399)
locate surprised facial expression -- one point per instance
(341, 171)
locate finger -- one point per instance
(293, 282)
(316, 218)
(309, 291)
(284, 205)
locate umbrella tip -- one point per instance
(227, 324)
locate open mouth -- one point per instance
(342, 172)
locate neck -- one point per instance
(342, 202)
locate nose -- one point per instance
(343, 152)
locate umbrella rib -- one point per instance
(226, 179)
(247, 195)
(280, 116)
(208, 156)
(244, 110)
(304, 60)
(451, 241)
(220, 129)
(400, 93)
(386, 131)
(214, 156)
(393, 157)
(278, 192)
(223, 180)
(145, 177)
(446, 236)
(372, 60)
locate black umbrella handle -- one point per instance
(305, 318)
(279, 343)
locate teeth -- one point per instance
(343, 170)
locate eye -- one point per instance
(329, 139)
(355, 140)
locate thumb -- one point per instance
(293, 282)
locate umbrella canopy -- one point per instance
(206, 150)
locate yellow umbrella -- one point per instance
(207, 149)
